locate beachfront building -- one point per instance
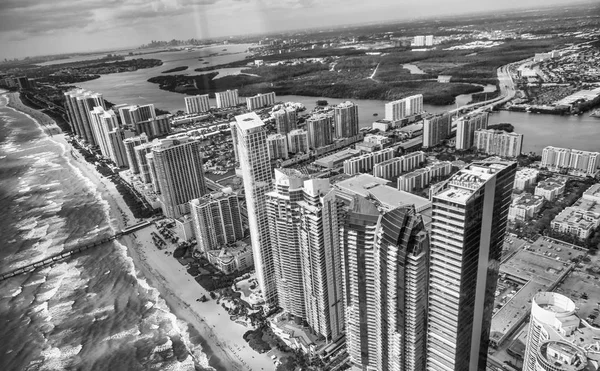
(467, 235)
(436, 129)
(365, 163)
(285, 120)
(251, 138)
(197, 104)
(385, 262)
(277, 146)
(227, 98)
(525, 177)
(466, 127)
(556, 159)
(498, 142)
(140, 152)
(320, 130)
(153, 127)
(551, 188)
(298, 141)
(177, 163)
(109, 135)
(130, 144)
(283, 213)
(132, 114)
(421, 178)
(345, 120)
(525, 206)
(232, 258)
(557, 340)
(79, 103)
(392, 168)
(217, 220)
(405, 107)
(260, 101)
(320, 259)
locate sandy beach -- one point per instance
(222, 338)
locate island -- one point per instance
(176, 69)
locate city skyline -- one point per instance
(96, 25)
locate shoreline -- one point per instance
(158, 275)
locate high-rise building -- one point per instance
(418, 40)
(260, 101)
(153, 127)
(251, 137)
(131, 115)
(217, 220)
(227, 98)
(197, 104)
(467, 234)
(130, 144)
(109, 136)
(79, 103)
(498, 142)
(283, 214)
(278, 147)
(384, 259)
(556, 341)
(285, 120)
(177, 161)
(404, 107)
(436, 129)
(298, 141)
(466, 127)
(555, 158)
(428, 40)
(345, 120)
(320, 130)
(320, 259)
(141, 158)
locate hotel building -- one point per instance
(525, 177)
(467, 235)
(421, 178)
(109, 135)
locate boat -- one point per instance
(322, 102)
(375, 114)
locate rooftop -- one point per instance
(249, 121)
(527, 200)
(463, 184)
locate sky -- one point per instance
(42, 27)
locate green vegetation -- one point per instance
(176, 69)
(509, 128)
(255, 340)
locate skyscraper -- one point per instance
(130, 144)
(404, 107)
(153, 127)
(320, 130)
(384, 254)
(251, 138)
(278, 148)
(217, 220)
(109, 135)
(285, 120)
(498, 142)
(131, 115)
(143, 165)
(346, 120)
(227, 98)
(320, 259)
(79, 103)
(260, 100)
(465, 129)
(467, 233)
(197, 104)
(436, 129)
(177, 161)
(298, 141)
(283, 214)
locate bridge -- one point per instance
(66, 254)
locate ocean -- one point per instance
(92, 312)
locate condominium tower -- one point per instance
(467, 233)
(345, 120)
(465, 129)
(79, 103)
(227, 98)
(177, 163)
(498, 142)
(384, 260)
(260, 101)
(436, 129)
(278, 146)
(217, 220)
(285, 120)
(197, 104)
(130, 144)
(109, 135)
(320, 130)
(298, 141)
(250, 135)
(555, 158)
(404, 107)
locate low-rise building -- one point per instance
(576, 222)
(236, 257)
(551, 188)
(592, 193)
(381, 140)
(365, 163)
(525, 177)
(525, 206)
(421, 178)
(337, 159)
(392, 168)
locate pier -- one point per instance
(68, 253)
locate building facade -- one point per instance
(467, 235)
(524, 207)
(365, 163)
(436, 129)
(404, 107)
(79, 103)
(226, 99)
(217, 220)
(392, 168)
(197, 104)
(285, 120)
(260, 101)
(345, 120)
(130, 144)
(585, 162)
(179, 173)
(421, 178)
(320, 130)
(466, 127)
(251, 138)
(498, 142)
(298, 141)
(278, 147)
(525, 177)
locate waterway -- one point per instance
(581, 132)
